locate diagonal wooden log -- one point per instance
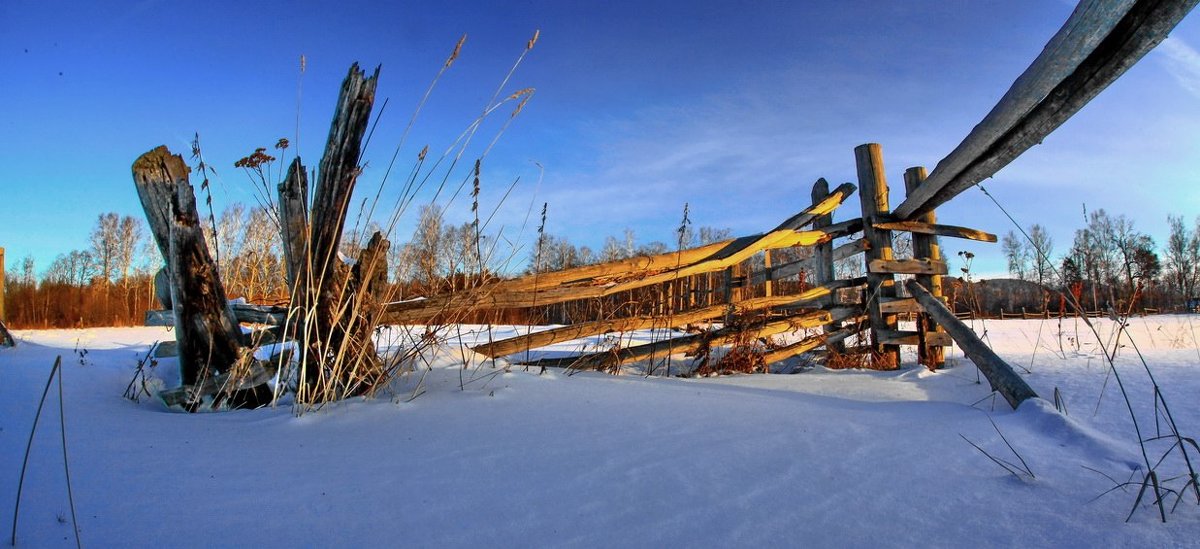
(686, 344)
(618, 276)
(576, 331)
(999, 374)
(812, 342)
(1098, 43)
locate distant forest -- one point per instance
(1109, 264)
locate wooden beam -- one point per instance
(908, 337)
(881, 285)
(919, 227)
(575, 331)
(1000, 375)
(651, 351)
(907, 266)
(926, 246)
(619, 276)
(827, 339)
(900, 305)
(1097, 44)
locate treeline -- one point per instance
(112, 281)
(1110, 263)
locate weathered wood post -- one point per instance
(823, 260)
(208, 334)
(333, 300)
(925, 246)
(881, 285)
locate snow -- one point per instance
(821, 458)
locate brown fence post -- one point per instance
(925, 246)
(873, 192)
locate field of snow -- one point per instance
(820, 458)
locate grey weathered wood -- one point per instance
(208, 334)
(162, 287)
(1097, 44)
(926, 246)
(253, 314)
(999, 374)
(917, 227)
(338, 325)
(156, 190)
(293, 220)
(907, 266)
(873, 192)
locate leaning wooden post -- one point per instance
(823, 261)
(925, 246)
(999, 374)
(207, 332)
(873, 192)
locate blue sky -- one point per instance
(733, 107)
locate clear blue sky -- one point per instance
(734, 107)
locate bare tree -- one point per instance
(1038, 250)
(105, 241)
(1015, 254)
(1181, 256)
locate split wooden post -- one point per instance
(925, 246)
(881, 286)
(823, 262)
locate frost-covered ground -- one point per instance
(820, 458)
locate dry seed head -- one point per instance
(532, 41)
(519, 93)
(303, 63)
(457, 50)
(521, 105)
(421, 155)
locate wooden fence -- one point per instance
(716, 284)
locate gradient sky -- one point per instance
(733, 107)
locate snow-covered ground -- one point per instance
(821, 458)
